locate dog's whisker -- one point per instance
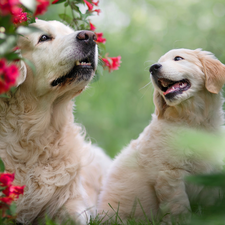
(145, 86)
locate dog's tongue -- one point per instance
(173, 88)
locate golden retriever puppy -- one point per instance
(39, 140)
(147, 178)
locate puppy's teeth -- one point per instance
(77, 63)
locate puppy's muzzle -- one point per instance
(87, 37)
(154, 69)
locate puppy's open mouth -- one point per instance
(172, 88)
(82, 70)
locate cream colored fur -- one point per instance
(150, 171)
(39, 140)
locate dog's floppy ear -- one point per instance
(23, 73)
(214, 71)
(160, 104)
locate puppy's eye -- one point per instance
(178, 58)
(44, 38)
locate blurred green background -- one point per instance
(117, 107)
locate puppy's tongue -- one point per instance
(175, 87)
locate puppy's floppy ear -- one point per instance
(23, 73)
(214, 71)
(160, 103)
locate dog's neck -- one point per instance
(201, 111)
(32, 130)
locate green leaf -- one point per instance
(13, 89)
(4, 96)
(8, 44)
(65, 17)
(12, 56)
(2, 166)
(30, 64)
(60, 1)
(27, 30)
(13, 209)
(101, 47)
(75, 7)
(30, 4)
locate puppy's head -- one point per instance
(181, 73)
(65, 60)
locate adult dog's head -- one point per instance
(65, 60)
(181, 74)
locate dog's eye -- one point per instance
(178, 58)
(44, 38)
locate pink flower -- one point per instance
(98, 11)
(112, 63)
(8, 75)
(100, 39)
(41, 7)
(6, 179)
(92, 27)
(95, 3)
(20, 17)
(55, 1)
(89, 5)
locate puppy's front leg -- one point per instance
(170, 190)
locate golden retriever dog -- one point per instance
(147, 177)
(40, 142)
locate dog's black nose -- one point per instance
(87, 36)
(155, 68)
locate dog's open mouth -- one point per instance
(82, 70)
(171, 88)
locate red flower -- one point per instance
(112, 63)
(6, 179)
(41, 7)
(92, 27)
(100, 39)
(98, 11)
(95, 3)
(13, 191)
(8, 76)
(6, 200)
(20, 17)
(9, 7)
(89, 5)
(55, 1)
(2, 65)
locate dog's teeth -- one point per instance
(77, 63)
(182, 85)
(85, 64)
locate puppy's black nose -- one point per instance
(87, 37)
(155, 68)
